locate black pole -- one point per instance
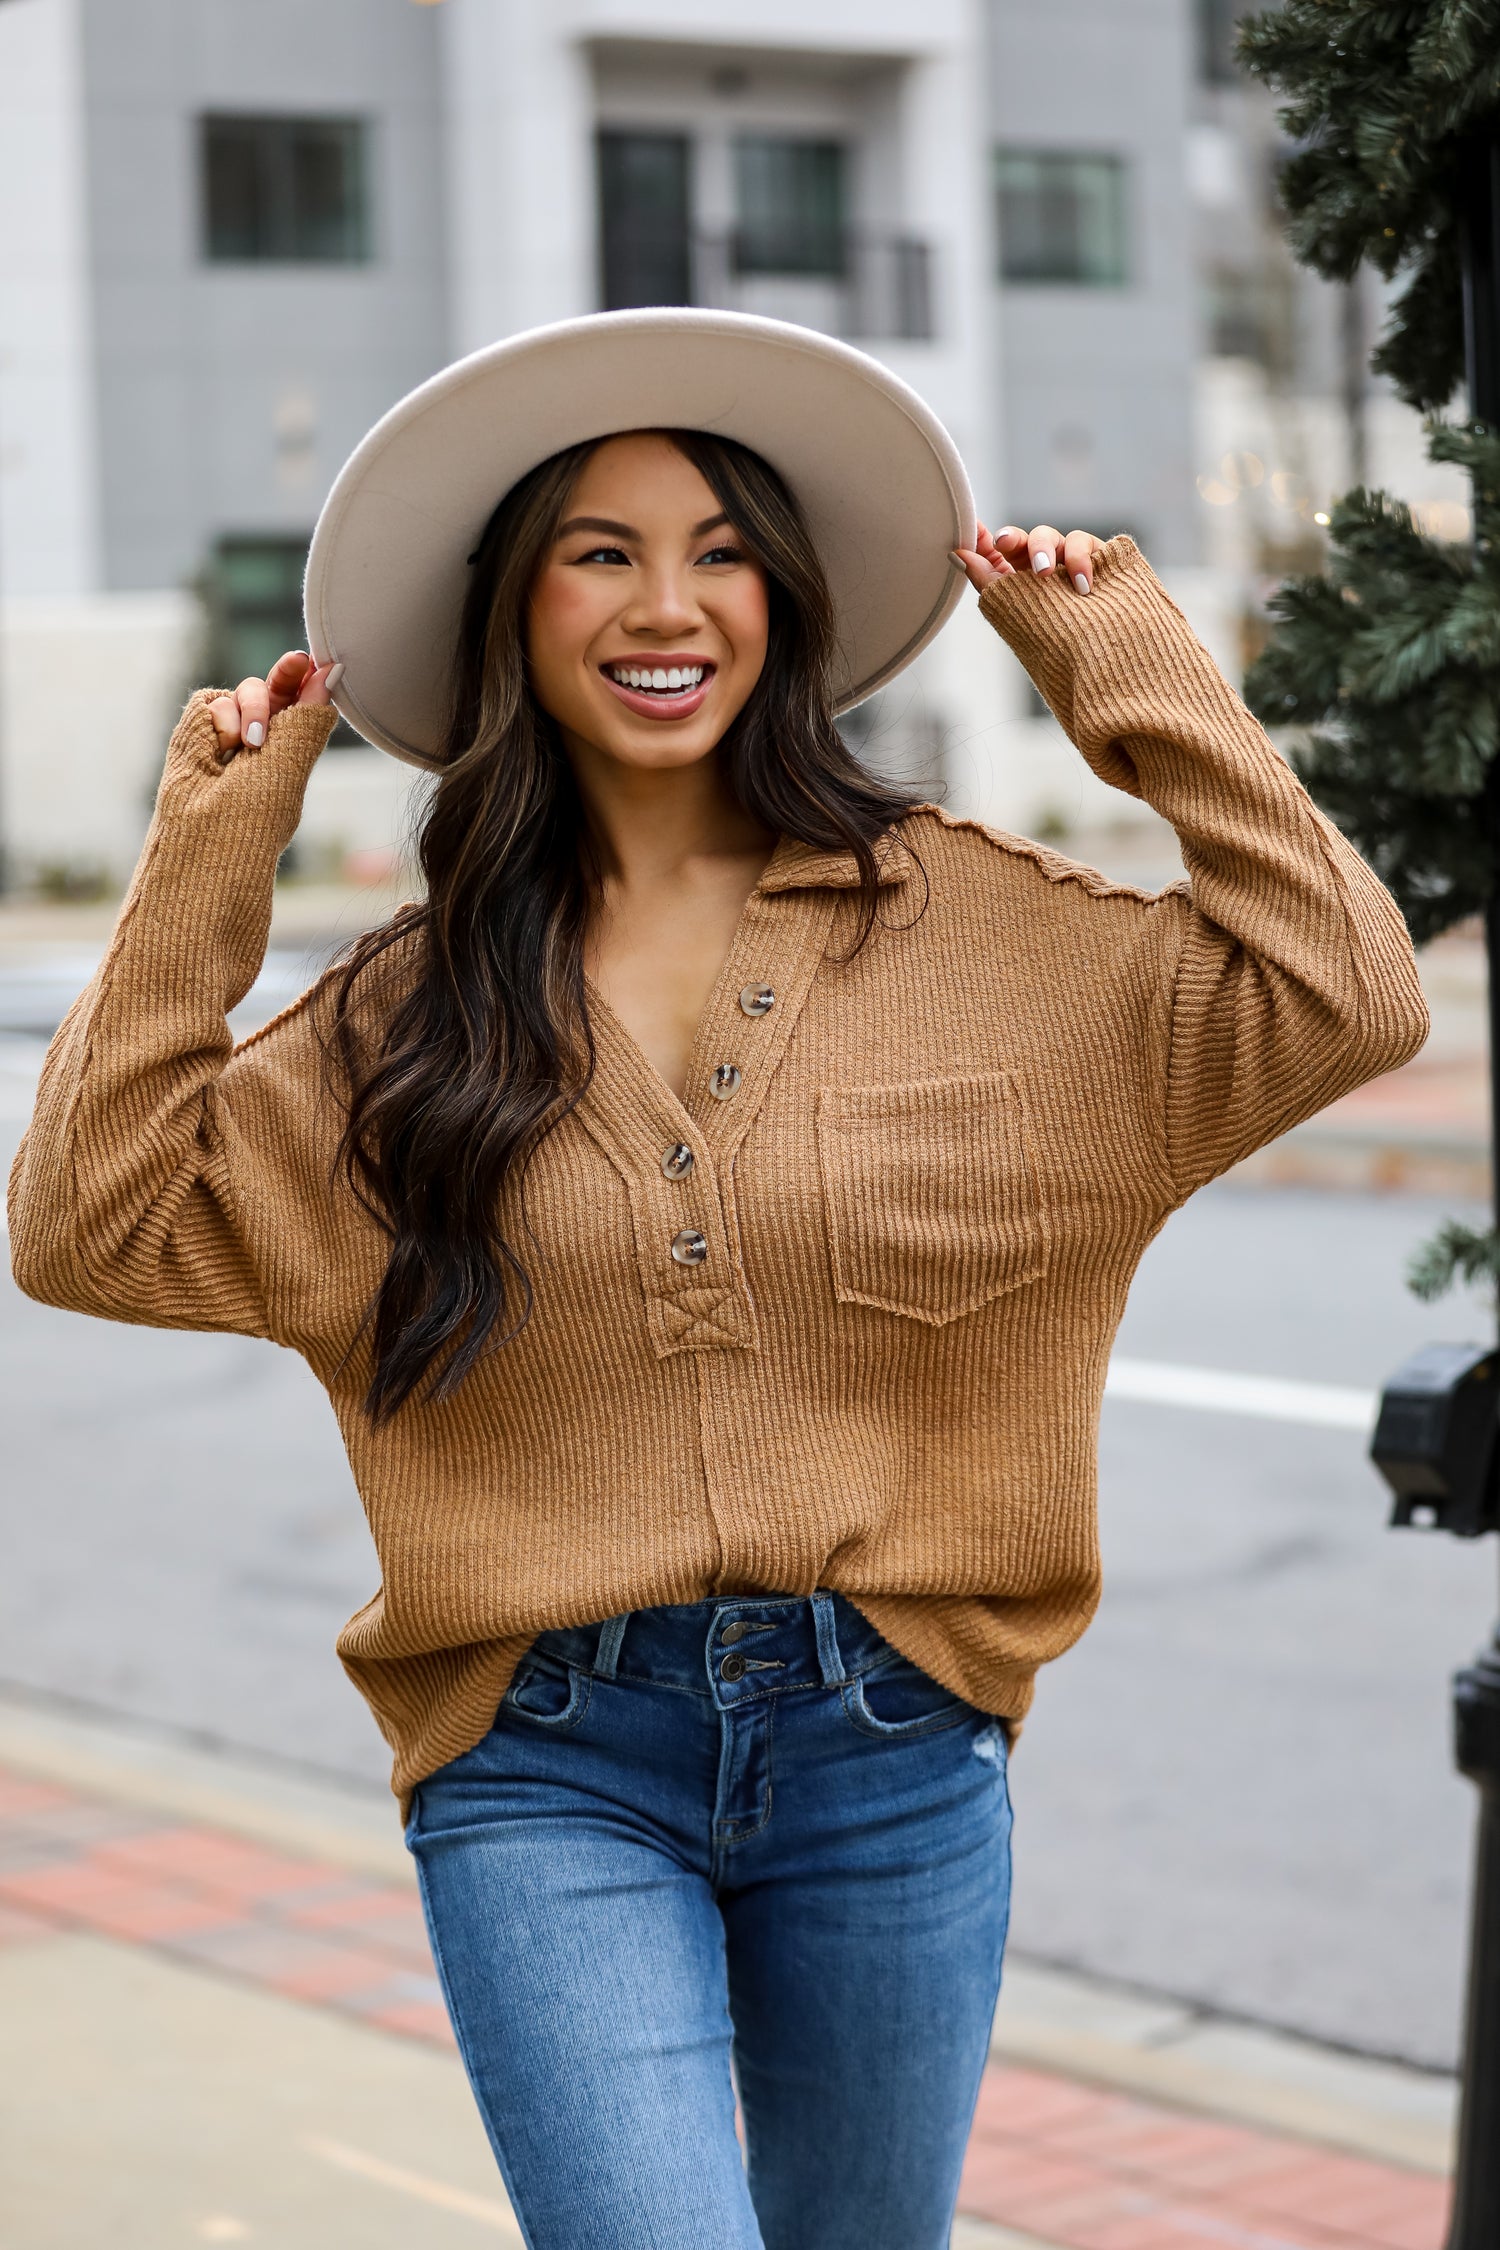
(1476, 1691)
(1354, 352)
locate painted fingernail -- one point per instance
(1041, 561)
(1011, 531)
(334, 675)
(1081, 582)
(255, 734)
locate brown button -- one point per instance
(725, 1082)
(757, 1000)
(732, 1668)
(678, 1161)
(689, 1248)
(734, 1632)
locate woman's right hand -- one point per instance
(240, 720)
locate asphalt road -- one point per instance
(1238, 1788)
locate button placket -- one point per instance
(777, 951)
(693, 1298)
(681, 1184)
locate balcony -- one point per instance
(756, 222)
(867, 288)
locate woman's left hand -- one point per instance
(1043, 549)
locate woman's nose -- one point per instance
(663, 602)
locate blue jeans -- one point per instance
(743, 1828)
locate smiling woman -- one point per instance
(710, 1208)
(590, 846)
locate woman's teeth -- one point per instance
(670, 681)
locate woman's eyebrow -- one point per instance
(598, 523)
(628, 530)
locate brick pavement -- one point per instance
(1067, 2164)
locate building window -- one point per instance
(645, 219)
(252, 591)
(791, 206)
(1062, 217)
(285, 189)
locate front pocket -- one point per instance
(901, 1699)
(548, 1694)
(931, 1194)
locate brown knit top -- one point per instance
(923, 1203)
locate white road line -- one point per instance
(1214, 1390)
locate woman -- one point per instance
(710, 1212)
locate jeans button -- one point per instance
(733, 1632)
(732, 1668)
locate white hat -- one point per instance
(877, 476)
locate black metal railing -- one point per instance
(866, 287)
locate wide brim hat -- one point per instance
(877, 477)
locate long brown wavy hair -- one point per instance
(478, 1043)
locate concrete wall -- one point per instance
(519, 167)
(89, 687)
(49, 459)
(1097, 381)
(229, 395)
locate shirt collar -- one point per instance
(795, 866)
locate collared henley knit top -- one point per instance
(922, 1197)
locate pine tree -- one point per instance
(1388, 664)
(1381, 103)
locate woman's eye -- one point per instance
(723, 555)
(604, 555)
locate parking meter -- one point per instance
(1435, 1439)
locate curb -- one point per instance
(1245, 2074)
(294, 1808)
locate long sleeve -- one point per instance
(1292, 977)
(122, 1195)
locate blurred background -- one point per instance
(232, 233)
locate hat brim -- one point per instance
(879, 481)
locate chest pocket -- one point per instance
(931, 1194)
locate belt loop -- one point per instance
(607, 1654)
(829, 1659)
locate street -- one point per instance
(1238, 1789)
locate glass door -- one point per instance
(645, 219)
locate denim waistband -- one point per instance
(733, 1647)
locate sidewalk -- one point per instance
(219, 2023)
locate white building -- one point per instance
(232, 232)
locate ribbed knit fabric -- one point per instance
(923, 1205)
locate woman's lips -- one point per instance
(682, 705)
